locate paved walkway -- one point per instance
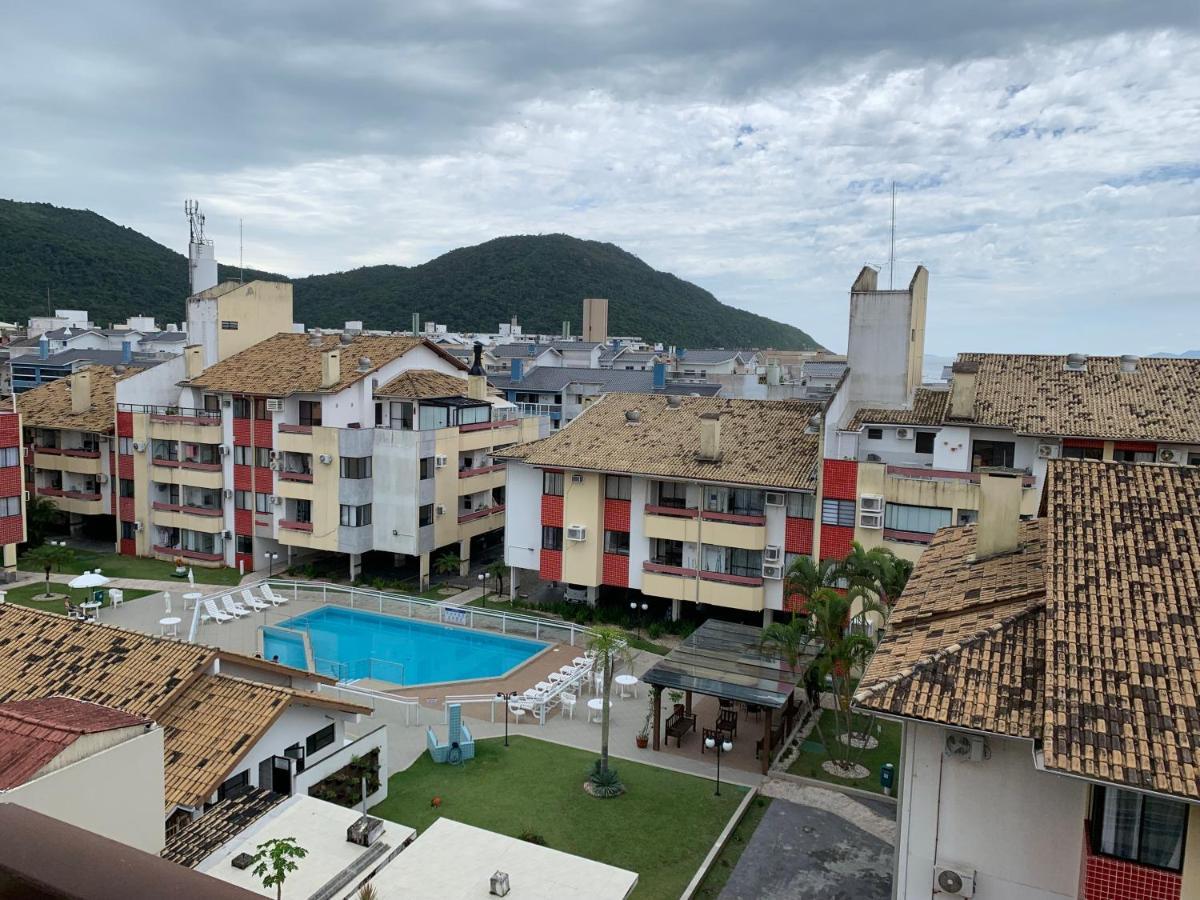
(176, 586)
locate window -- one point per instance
(925, 441)
(10, 506)
(552, 483)
(746, 502)
(425, 515)
(552, 537)
(199, 541)
(1069, 452)
(128, 531)
(732, 561)
(470, 415)
(356, 467)
(165, 450)
(319, 740)
(426, 468)
(262, 457)
(616, 542)
(356, 516)
(617, 487)
(262, 502)
(241, 407)
(304, 511)
(1193, 459)
(245, 545)
(837, 512)
(992, 454)
(666, 552)
(260, 409)
(242, 456)
(212, 403)
(968, 516)
(234, 784)
(801, 506)
(923, 519)
(402, 415)
(125, 487)
(432, 417)
(229, 325)
(672, 494)
(10, 456)
(874, 434)
(1134, 456)
(1138, 827)
(241, 499)
(125, 446)
(310, 412)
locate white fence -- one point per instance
(409, 707)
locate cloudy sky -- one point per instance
(1046, 154)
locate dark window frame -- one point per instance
(874, 434)
(618, 487)
(319, 740)
(925, 437)
(552, 483)
(1006, 449)
(552, 538)
(1100, 795)
(616, 542)
(838, 512)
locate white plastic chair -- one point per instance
(235, 609)
(253, 602)
(210, 613)
(518, 710)
(116, 596)
(270, 595)
(568, 703)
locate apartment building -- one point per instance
(1044, 673)
(696, 500)
(12, 489)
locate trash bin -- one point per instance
(887, 777)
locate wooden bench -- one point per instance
(678, 725)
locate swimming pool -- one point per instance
(352, 643)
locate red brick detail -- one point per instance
(125, 510)
(1089, 443)
(10, 481)
(125, 424)
(242, 480)
(1136, 446)
(841, 479)
(616, 569)
(243, 521)
(12, 530)
(128, 547)
(1106, 878)
(264, 480)
(262, 433)
(112, 487)
(616, 515)
(245, 561)
(551, 569)
(241, 432)
(795, 603)
(798, 535)
(125, 466)
(552, 510)
(10, 430)
(836, 541)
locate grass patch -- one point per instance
(727, 860)
(661, 828)
(808, 763)
(23, 596)
(114, 565)
(638, 643)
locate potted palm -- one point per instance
(642, 738)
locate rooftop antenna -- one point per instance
(892, 251)
(48, 312)
(241, 259)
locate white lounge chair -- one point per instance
(210, 613)
(235, 609)
(270, 595)
(253, 602)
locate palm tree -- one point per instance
(498, 570)
(609, 649)
(805, 577)
(449, 563)
(878, 570)
(786, 641)
(49, 556)
(40, 515)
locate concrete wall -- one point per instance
(117, 792)
(523, 527)
(583, 504)
(262, 309)
(327, 765)
(294, 726)
(1020, 829)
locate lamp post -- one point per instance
(634, 606)
(271, 557)
(483, 587)
(501, 695)
(724, 746)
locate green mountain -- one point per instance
(88, 262)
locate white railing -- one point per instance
(468, 699)
(529, 410)
(375, 700)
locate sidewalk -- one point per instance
(177, 586)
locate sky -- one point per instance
(1046, 153)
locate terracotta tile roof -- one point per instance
(763, 442)
(49, 406)
(1123, 624)
(928, 408)
(418, 384)
(228, 818)
(291, 363)
(1035, 395)
(34, 732)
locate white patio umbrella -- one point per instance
(191, 577)
(89, 580)
(167, 602)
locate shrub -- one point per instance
(344, 787)
(605, 784)
(533, 837)
(655, 630)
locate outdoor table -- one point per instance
(626, 682)
(193, 596)
(596, 704)
(91, 609)
(169, 624)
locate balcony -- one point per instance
(709, 515)
(920, 472)
(293, 525)
(480, 513)
(287, 428)
(78, 453)
(480, 470)
(664, 569)
(69, 495)
(198, 465)
(729, 578)
(303, 477)
(189, 554)
(682, 512)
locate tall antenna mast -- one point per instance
(892, 251)
(242, 263)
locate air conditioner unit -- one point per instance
(275, 454)
(276, 499)
(439, 461)
(576, 479)
(971, 747)
(1047, 451)
(871, 503)
(102, 478)
(27, 496)
(223, 449)
(775, 498)
(277, 465)
(274, 404)
(227, 402)
(137, 526)
(576, 533)
(228, 535)
(440, 509)
(1166, 455)
(227, 493)
(772, 553)
(139, 446)
(325, 458)
(874, 457)
(870, 520)
(903, 434)
(954, 881)
(773, 572)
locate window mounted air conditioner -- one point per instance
(277, 465)
(227, 494)
(276, 499)
(774, 572)
(102, 478)
(954, 882)
(27, 496)
(871, 503)
(137, 526)
(1166, 455)
(228, 535)
(576, 479)
(772, 553)
(439, 461)
(227, 402)
(139, 446)
(870, 520)
(275, 454)
(903, 433)
(576, 533)
(274, 404)
(223, 449)
(775, 498)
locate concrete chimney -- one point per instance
(193, 360)
(476, 379)
(81, 391)
(999, 522)
(963, 376)
(710, 437)
(331, 367)
(43, 347)
(595, 320)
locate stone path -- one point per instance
(853, 811)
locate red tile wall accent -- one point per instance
(836, 541)
(841, 479)
(262, 433)
(242, 480)
(1092, 443)
(264, 480)
(551, 569)
(11, 528)
(245, 560)
(1136, 446)
(616, 515)
(243, 521)
(10, 481)
(1115, 879)
(125, 466)
(552, 510)
(125, 509)
(798, 535)
(10, 430)
(241, 432)
(125, 424)
(795, 603)
(616, 570)
(112, 488)
(128, 547)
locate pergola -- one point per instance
(723, 660)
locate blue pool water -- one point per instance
(352, 643)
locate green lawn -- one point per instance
(727, 860)
(114, 565)
(888, 733)
(23, 596)
(662, 828)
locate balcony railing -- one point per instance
(188, 554)
(729, 578)
(286, 428)
(483, 426)
(664, 569)
(293, 525)
(305, 477)
(70, 451)
(480, 470)
(709, 515)
(480, 513)
(920, 472)
(529, 410)
(680, 512)
(68, 495)
(212, 511)
(906, 537)
(199, 466)
(184, 415)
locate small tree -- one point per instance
(50, 556)
(805, 577)
(786, 641)
(498, 570)
(40, 514)
(448, 563)
(610, 649)
(274, 860)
